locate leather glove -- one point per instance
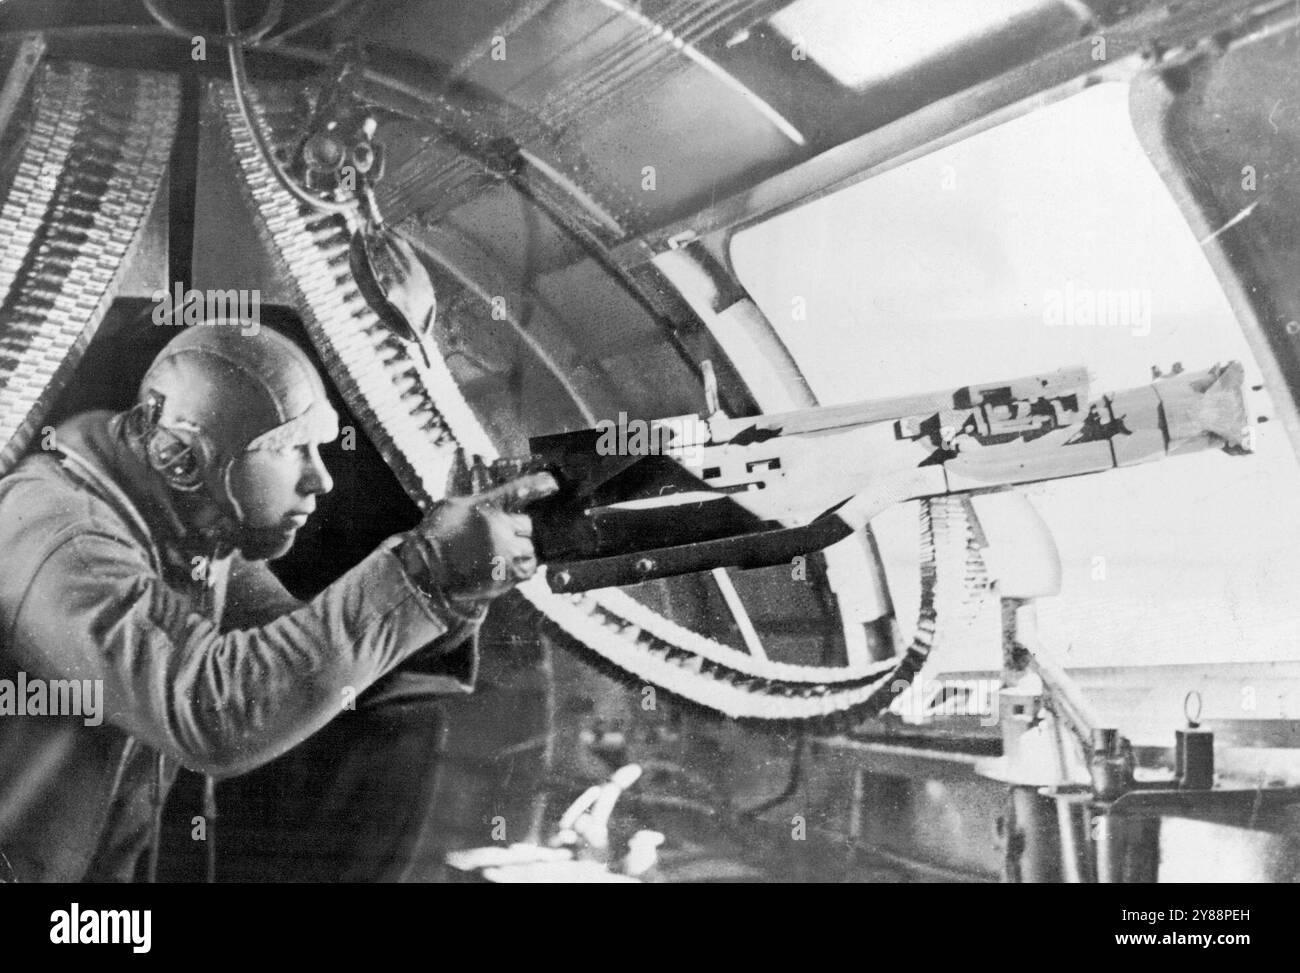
(473, 548)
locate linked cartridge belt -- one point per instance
(87, 177)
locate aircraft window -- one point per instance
(977, 263)
(859, 44)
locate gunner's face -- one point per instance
(276, 490)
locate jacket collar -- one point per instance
(97, 442)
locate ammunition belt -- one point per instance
(87, 176)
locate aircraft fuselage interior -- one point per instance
(755, 440)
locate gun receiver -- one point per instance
(641, 500)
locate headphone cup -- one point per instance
(180, 463)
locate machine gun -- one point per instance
(640, 500)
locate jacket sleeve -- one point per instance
(254, 595)
(219, 703)
(449, 665)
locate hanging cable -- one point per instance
(270, 18)
(165, 21)
(791, 787)
(239, 79)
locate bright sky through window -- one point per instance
(963, 266)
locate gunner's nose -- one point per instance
(316, 478)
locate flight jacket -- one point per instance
(206, 661)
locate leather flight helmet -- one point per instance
(214, 393)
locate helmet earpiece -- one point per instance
(179, 462)
(178, 458)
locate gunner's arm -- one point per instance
(256, 596)
(222, 703)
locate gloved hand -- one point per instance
(476, 547)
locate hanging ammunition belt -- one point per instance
(86, 178)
